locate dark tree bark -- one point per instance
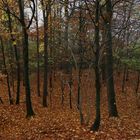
(96, 124)
(62, 90)
(16, 56)
(70, 86)
(124, 79)
(6, 72)
(103, 59)
(38, 57)
(66, 24)
(51, 64)
(29, 108)
(81, 54)
(109, 61)
(137, 84)
(46, 11)
(69, 68)
(18, 76)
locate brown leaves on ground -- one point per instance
(58, 122)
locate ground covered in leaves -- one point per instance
(59, 122)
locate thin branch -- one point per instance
(33, 13)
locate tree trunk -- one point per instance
(124, 79)
(103, 60)
(26, 75)
(6, 72)
(46, 12)
(51, 57)
(29, 108)
(96, 124)
(38, 57)
(70, 88)
(16, 56)
(109, 62)
(62, 90)
(81, 30)
(69, 68)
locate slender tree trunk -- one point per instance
(67, 50)
(51, 57)
(66, 24)
(46, 12)
(96, 124)
(103, 61)
(62, 90)
(30, 111)
(45, 86)
(60, 44)
(18, 77)
(124, 79)
(109, 62)
(6, 72)
(29, 108)
(137, 84)
(38, 57)
(127, 75)
(70, 87)
(16, 56)
(79, 97)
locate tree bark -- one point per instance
(46, 12)
(109, 62)
(16, 56)
(29, 108)
(96, 124)
(6, 72)
(38, 57)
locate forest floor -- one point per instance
(59, 122)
